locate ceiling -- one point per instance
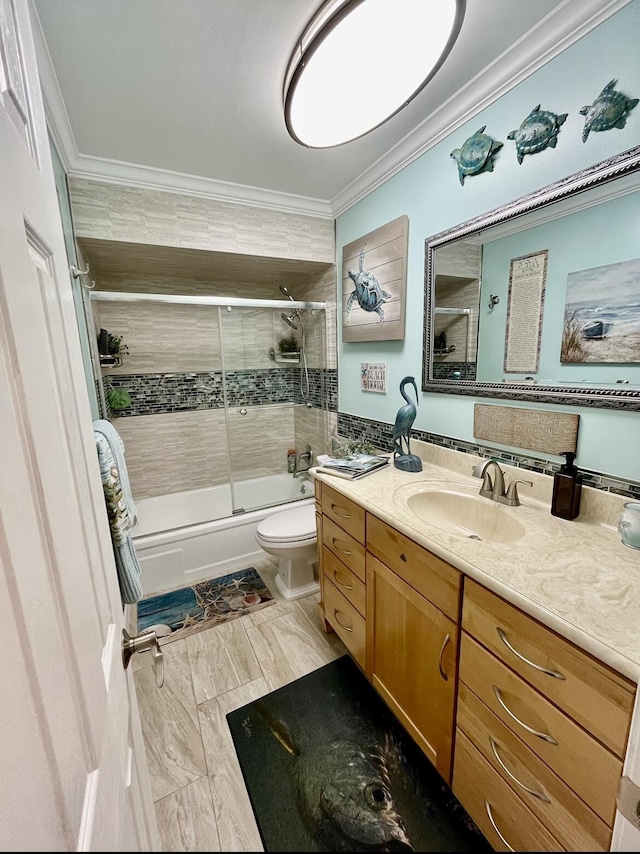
(188, 96)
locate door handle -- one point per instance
(142, 643)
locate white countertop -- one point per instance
(574, 576)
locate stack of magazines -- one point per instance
(353, 466)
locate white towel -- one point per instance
(121, 509)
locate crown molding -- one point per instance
(554, 34)
(150, 178)
(564, 26)
(91, 168)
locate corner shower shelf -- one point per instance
(110, 361)
(288, 358)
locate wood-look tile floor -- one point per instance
(200, 797)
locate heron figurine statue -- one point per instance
(403, 459)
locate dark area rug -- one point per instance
(329, 768)
(189, 610)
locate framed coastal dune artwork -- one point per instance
(602, 314)
(374, 280)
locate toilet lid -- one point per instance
(297, 523)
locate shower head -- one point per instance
(285, 291)
(289, 319)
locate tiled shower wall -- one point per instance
(177, 433)
(116, 212)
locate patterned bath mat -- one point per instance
(329, 768)
(189, 610)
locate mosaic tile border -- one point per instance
(379, 433)
(454, 370)
(157, 393)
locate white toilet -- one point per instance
(290, 535)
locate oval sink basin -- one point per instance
(466, 515)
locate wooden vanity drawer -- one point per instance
(347, 582)
(344, 546)
(502, 817)
(344, 512)
(349, 625)
(566, 816)
(585, 765)
(597, 697)
(435, 579)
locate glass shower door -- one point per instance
(270, 412)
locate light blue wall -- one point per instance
(574, 243)
(429, 192)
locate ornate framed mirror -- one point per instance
(539, 300)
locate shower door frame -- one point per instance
(180, 299)
(214, 301)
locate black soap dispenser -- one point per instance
(567, 486)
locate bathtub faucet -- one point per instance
(304, 461)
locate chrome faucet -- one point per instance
(305, 461)
(495, 488)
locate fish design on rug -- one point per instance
(343, 784)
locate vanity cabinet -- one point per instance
(341, 546)
(414, 651)
(413, 615)
(541, 731)
(528, 729)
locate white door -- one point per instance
(73, 773)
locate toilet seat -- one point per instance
(295, 525)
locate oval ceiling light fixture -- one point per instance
(359, 62)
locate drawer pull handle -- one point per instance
(335, 507)
(487, 806)
(542, 735)
(504, 640)
(336, 579)
(442, 673)
(334, 543)
(403, 557)
(346, 628)
(540, 795)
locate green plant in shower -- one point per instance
(289, 344)
(116, 346)
(118, 398)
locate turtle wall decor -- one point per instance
(369, 292)
(476, 154)
(609, 110)
(374, 283)
(538, 131)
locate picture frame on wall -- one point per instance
(602, 329)
(374, 282)
(527, 283)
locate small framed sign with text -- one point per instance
(373, 376)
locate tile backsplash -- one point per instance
(379, 433)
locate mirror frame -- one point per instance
(599, 175)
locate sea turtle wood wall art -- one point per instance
(374, 271)
(368, 291)
(476, 154)
(609, 110)
(538, 131)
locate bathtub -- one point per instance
(188, 536)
